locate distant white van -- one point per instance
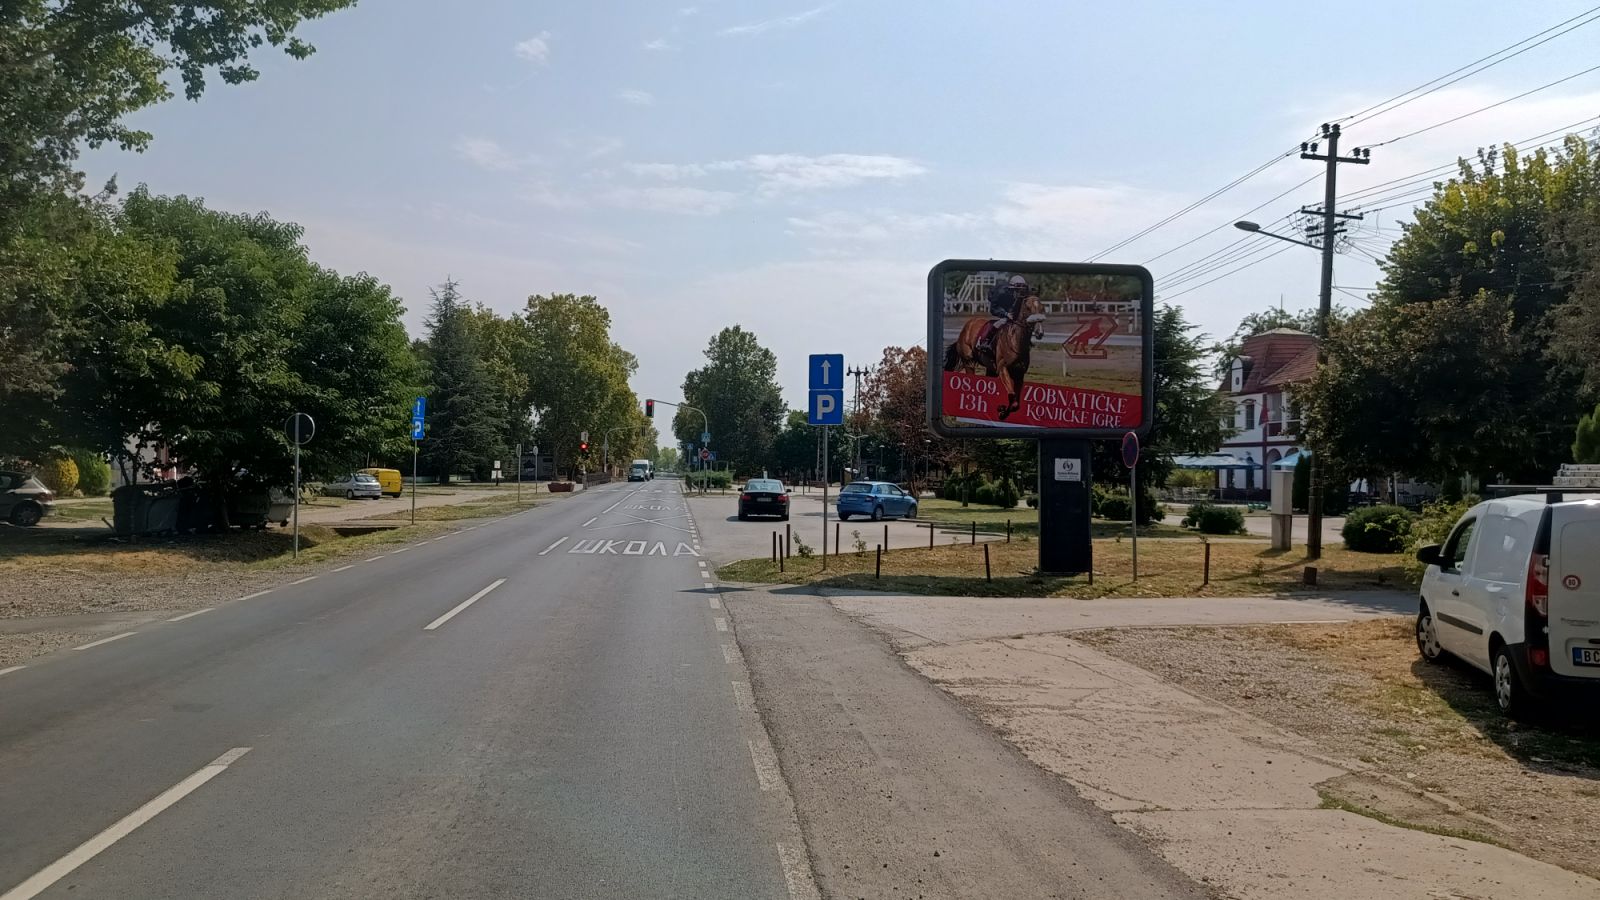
(641, 470)
(1515, 591)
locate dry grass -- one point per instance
(478, 509)
(1167, 568)
(1360, 690)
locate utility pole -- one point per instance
(1330, 235)
(855, 440)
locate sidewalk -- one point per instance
(1225, 797)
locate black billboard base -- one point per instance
(1066, 545)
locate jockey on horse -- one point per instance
(1002, 304)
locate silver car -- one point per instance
(24, 499)
(355, 486)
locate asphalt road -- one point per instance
(548, 705)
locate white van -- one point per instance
(1515, 591)
(641, 470)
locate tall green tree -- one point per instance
(466, 424)
(737, 389)
(578, 376)
(71, 71)
(1586, 443)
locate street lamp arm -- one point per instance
(1253, 228)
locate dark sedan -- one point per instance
(764, 497)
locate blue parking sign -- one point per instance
(827, 372)
(419, 410)
(826, 408)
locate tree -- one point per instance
(1262, 322)
(1586, 445)
(73, 71)
(465, 422)
(895, 397)
(577, 376)
(794, 450)
(738, 391)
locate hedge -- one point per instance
(1209, 518)
(1377, 529)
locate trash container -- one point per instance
(145, 508)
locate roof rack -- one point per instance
(1553, 493)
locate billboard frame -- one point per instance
(935, 385)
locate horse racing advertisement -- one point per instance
(1045, 349)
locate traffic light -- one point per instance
(583, 446)
(649, 409)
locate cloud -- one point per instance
(636, 97)
(659, 44)
(782, 22)
(535, 49)
(674, 199)
(689, 11)
(789, 172)
(881, 225)
(488, 154)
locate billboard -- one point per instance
(1037, 349)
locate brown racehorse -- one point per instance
(1008, 355)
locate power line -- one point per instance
(1410, 134)
(1255, 250)
(1247, 265)
(1435, 86)
(1230, 221)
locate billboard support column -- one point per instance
(1065, 543)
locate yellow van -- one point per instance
(388, 480)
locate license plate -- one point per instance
(763, 499)
(1586, 656)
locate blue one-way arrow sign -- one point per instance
(826, 406)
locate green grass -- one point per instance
(1330, 801)
(478, 509)
(1024, 521)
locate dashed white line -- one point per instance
(190, 615)
(715, 603)
(472, 528)
(710, 586)
(553, 546)
(123, 827)
(342, 568)
(590, 522)
(730, 654)
(256, 594)
(373, 559)
(721, 623)
(114, 637)
(765, 761)
(797, 872)
(8, 670)
(743, 697)
(702, 564)
(463, 605)
(302, 580)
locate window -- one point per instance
(1503, 555)
(1249, 414)
(1455, 550)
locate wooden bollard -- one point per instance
(886, 535)
(974, 532)
(987, 576)
(877, 571)
(1206, 576)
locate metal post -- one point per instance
(519, 474)
(1133, 495)
(413, 482)
(296, 418)
(824, 497)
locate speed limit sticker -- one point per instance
(1572, 582)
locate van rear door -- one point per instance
(1575, 589)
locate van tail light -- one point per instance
(1538, 589)
(1540, 656)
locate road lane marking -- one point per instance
(114, 637)
(722, 624)
(342, 568)
(463, 605)
(9, 670)
(743, 697)
(765, 761)
(472, 528)
(714, 602)
(555, 545)
(302, 580)
(590, 522)
(797, 872)
(373, 559)
(710, 586)
(730, 654)
(401, 550)
(702, 564)
(191, 615)
(256, 594)
(123, 827)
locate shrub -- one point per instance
(1115, 507)
(1208, 518)
(716, 478)
(59, 475)
(1032, 500)
(1377, 529)
(1433, 527)
(1109, 503)
(1006, 495)
(94, 474)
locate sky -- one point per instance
(796, 167)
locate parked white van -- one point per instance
(1515, 591)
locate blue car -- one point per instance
(875, 500)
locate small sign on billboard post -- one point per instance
(1069, 470)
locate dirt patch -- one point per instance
(1360, 690)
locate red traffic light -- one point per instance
(583, 446)
(649, 409)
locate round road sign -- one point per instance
(705, 455)
(307, 427)
(1130, 449)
